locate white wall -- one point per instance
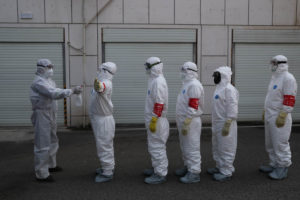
(214, 20)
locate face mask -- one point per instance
(217, 77)
(49, 73)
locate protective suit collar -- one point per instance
(189, 71)
(106, 71)
(226, 73)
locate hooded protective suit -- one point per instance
(280, 99)
(102, 120)
(43, 96)
(189, 107)
(156, 107)
(224, 108)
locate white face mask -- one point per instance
(49, 73)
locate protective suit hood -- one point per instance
(106, 71)
(280, 63)
(154, 66)
(226, 73)
(189, 71)
(43, 70)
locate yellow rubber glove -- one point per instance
(97, 85)
(186, 126)
(225, 130)
(263, 116)
(280, 121)
(152, 125)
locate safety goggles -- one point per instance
(148, 65)
(105, 69)
(277, 62)
(184, 69)
(50, 66)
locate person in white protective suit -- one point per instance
(103, 123)
(157, 124)
(189, 108)
(224, 125)
(279, 104)
(43, 96)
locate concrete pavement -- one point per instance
(77, 155)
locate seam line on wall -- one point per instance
(248, 12)
(17, 11)
(148, 11)
(224, 12)
(272, 12)
(45, 11)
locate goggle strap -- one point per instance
(281, 62)
(108, 71)
(49, 66)
(149, 66)
(192, 70)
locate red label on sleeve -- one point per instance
(158, 108)
(104, 86)
(289, 100)
(194, 103)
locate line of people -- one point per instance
(279, 104)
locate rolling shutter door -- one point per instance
(19, 51)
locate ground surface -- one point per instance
(77, 155)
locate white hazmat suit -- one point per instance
(189, 108)
(101, 115)
(279, 104)
(43, 96)
(157, 124)
(224, 109)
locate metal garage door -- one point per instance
(130, 82)
(17, 68)
(252, 75)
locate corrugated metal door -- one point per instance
(252, 75)
(17, 69)
(130, 82)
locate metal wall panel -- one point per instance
(130, 81)
(150, 35)
(253, 74)
(17, 70)
(266, 36)
(31, 34)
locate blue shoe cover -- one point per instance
(155, 179)
(221, 177)
(279, 173)
(190, 178)
(101, 178)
